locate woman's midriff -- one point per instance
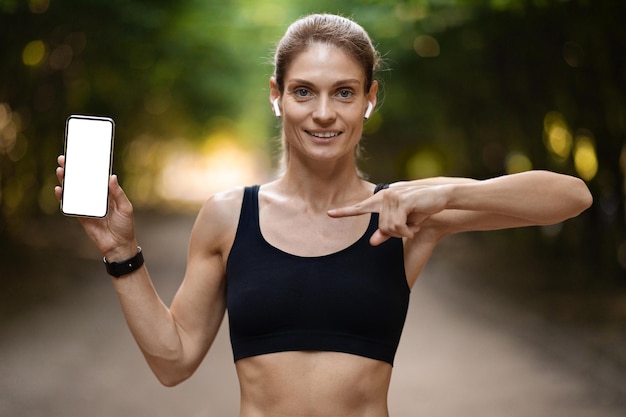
(313, 384)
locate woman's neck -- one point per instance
(325, 187)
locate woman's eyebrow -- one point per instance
(347, 82)
(335, 84)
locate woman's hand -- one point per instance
(114, 235)
(402, 209)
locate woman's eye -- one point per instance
(301, 92)
(345, 93)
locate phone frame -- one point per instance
(77, 213)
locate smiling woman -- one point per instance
(316, 267)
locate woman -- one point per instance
(316, 267)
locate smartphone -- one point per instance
(88, 161)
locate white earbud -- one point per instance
(276, 108)
(368, 112)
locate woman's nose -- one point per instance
(324, 111)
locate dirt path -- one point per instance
(463, 353)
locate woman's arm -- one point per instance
(457, 204)
(524, 199)
(173, 340)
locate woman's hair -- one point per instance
(327, 29)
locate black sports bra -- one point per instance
(352, 301)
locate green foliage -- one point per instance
(468, 86)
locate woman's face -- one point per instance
(323, 103)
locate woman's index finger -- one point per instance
(370, 205)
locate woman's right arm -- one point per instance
(173, 340)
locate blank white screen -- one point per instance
(88, 150)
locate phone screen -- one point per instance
(88, 158)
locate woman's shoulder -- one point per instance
(219, 215)
(224, 204)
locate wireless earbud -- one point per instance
(276, 108)
(368, 112)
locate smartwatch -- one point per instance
(118, 269)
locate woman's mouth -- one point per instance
(324, 135)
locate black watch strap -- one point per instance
(117, 269)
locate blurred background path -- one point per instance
(467, 349)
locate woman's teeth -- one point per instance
(325, 135)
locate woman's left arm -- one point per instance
(533, 197)
(451, 205)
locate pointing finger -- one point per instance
(371, 205)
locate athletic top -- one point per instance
(353, 301)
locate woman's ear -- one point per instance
(371, 99)
(276, 108)
(275, 97)
(368, 112)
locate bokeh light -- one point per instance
(557, 135)
(585, 159)
(518, 162)
(9, 129)
(426, 46)
(425, 163)
(33, 53)
(61, 57)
